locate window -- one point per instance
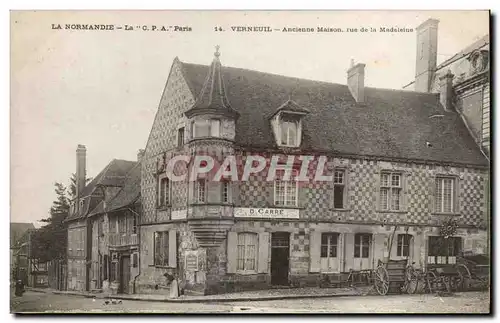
(200, 191)
(338, 189)
(444, 194)
(329, 243)
(285, 192)
(180, 137)
(100, 227)
(444, 251)
(105, 267)
(362, 245)
(161, 248)
(404, 245)
(289, 133)
(247, 255)
(206, 128)
(390, 192)
(134, 224)
(225, 192)
(165, 192)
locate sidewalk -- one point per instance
(261, 295)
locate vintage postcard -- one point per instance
(250, 162)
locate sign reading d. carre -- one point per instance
(266, 213)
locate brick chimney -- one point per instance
(427, 34)
(356, 81)
(140, 154)
(446, 90)
(81, 169)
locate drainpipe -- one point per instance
(139, 246)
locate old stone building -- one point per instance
(103, 187)
(399, 161)
(463, 79)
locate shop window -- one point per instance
(161, 248)
(443, 251)
(247, 252)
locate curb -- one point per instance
(198, 300)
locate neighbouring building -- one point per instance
(19, 250)
(400, 161)
(103, 187)
(115, 233)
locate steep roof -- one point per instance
(127, 195)
(114, 174)
(391, 123)
(17, 230)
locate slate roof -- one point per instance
(391, 123)
(114, 174)
(17, 230)
(127, 195)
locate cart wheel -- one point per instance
(381, 280)
(411, 280)
(432, 281)
(465, 277)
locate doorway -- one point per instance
(124, 274)
(280, 255)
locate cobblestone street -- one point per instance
(471, 302)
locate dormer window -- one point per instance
(287, 124)
(289, 132)
(206, 128)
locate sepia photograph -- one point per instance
(244, 162)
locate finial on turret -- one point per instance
(217, 53)
(352, 62)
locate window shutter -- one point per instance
(404, 186)
(172, 248)
(377, 190)
(349, 251)
(394, 249)
(315, 252)
(232, 249)
(432, 200)
(263, 252)
(379, 243)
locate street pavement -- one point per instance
(470, 302)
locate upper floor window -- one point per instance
(285, 192)
(200, 191)
(180, 137)
(339, 191)
(225, 192)
(206, 128)
(445, 191)
(165, 192)
(390, 191)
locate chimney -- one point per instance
(425, 68)
(81, 156)
(356, 81)
(446, 90)
(140, 154)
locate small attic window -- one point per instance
(289, 130)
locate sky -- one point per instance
(102, 88)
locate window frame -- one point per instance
(344, 188)
(389, 188)
(453, 194)
(181, 134)
(360, 246)
(255, 237)
(197, 191)
(209, 123)
(164, 241)
(438, 255)
(164, 198)
(285, 190)
(400, 247)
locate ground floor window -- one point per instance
(329, 252)
(443, 251)
(362, 243)
(404, 245)
(247, 255)
(161, 248)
